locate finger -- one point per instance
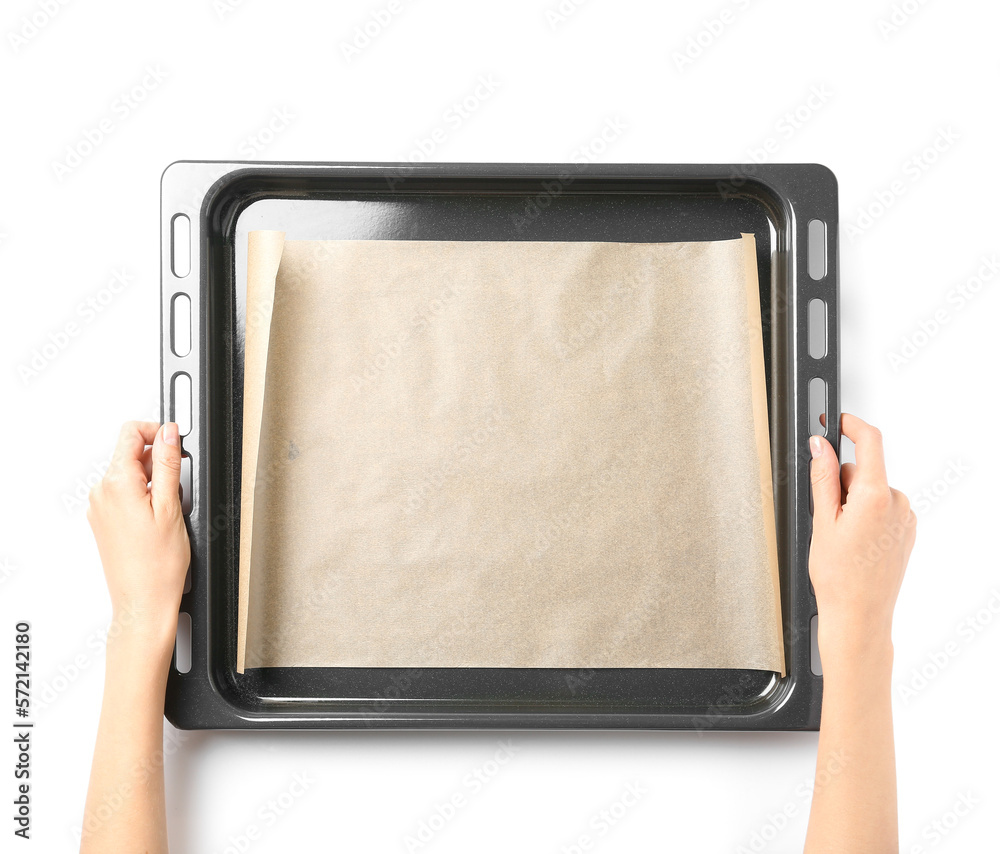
(867, 450)
(132, 441)
(911, 535)
(147, 463)
(847, 472)
(825, 478)
(166, 470)
(126, 466)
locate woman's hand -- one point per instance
(863, 533)
(135, 514)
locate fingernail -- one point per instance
(815, 446)
(170, 432)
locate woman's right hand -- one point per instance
(863, 533)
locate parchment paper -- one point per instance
(506, 454)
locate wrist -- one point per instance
(870, 654)
(153, 629)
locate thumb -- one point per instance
(825, 477)
(166, 469)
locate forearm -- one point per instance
(125, 804)
(854, 799)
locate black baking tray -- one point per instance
(468, 201)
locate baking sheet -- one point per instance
(509, 454)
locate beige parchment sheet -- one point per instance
(506, 454)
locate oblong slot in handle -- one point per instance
(815, 665)
(182, 645)
(186, 484)
(817, 406)
(180, 324)
(180, 245)
(180, 402)
(816, 249)
(817, 328)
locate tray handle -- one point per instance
(817, 337)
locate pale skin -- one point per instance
(144, 548)
(863, 533)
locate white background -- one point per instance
(886, 97)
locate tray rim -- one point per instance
(798, 192)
